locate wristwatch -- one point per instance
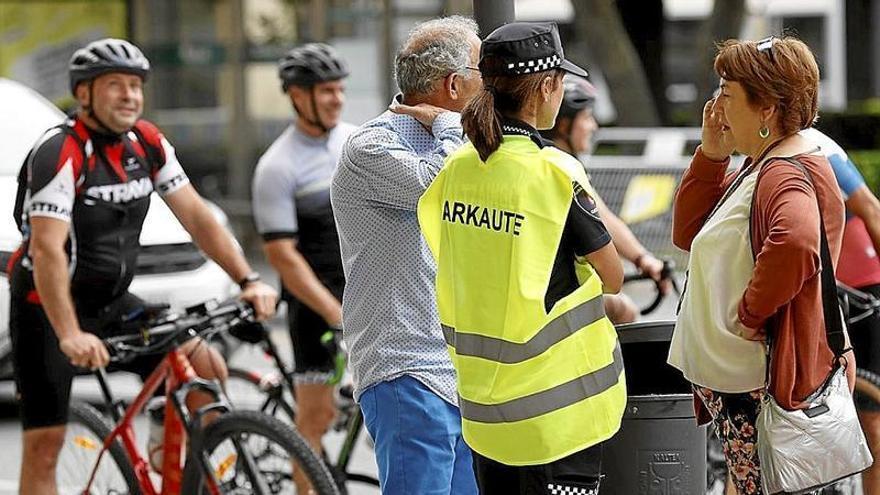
(249, 279)
(638, 261)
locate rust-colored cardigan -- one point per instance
(785, 282)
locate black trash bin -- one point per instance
(659, 449)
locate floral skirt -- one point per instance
(734, 417)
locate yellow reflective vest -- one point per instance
(534, 386)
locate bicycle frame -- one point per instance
(353, 425)
(179, 377)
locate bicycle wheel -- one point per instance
(83, 441)
(250, 391)
(250, 452)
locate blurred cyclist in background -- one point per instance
(859, 267)
(573, 133)
(291, 201)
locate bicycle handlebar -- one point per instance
(665, 274)
(173, 330)
(850, 298)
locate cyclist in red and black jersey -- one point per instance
(88, 190)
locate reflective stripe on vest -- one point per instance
(503, 351)
(549, 400)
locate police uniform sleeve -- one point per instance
(586, 229)
(53, 169)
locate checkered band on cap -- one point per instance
(535, 65)
(554, 489)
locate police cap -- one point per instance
(524, 48)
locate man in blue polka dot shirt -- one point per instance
(404, 379)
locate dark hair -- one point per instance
(784, 73)
(501, 95)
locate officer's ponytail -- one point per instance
(501, 95)
(482, 122)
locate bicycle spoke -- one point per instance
(77, 458)
(241, 463)
(250, 465)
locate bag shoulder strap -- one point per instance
(834, 331)
(830, 307)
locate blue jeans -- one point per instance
(419, 447)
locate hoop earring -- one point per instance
(764, 132)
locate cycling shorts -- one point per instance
(865, 338)
(43, 374)
(314, 361)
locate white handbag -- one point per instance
(803, 450)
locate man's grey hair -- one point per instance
(433, 50)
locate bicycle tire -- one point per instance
(259, 396)
(233, 425)
(271, 405)
(868, 384)
(96, 424)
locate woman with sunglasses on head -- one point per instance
(754, 242)
(510, 222)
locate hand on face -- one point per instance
(717, 139)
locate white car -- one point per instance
(170, 268)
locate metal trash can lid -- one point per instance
(661, 406)
(645, 331)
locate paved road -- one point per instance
(127, 386)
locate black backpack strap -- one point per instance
(84, 170)
(153, 159)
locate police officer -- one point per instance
(511, 224)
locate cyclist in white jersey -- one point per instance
(291, 202)
(859, 267)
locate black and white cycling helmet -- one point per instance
(579, 94)
(107, 55)
(310, 64)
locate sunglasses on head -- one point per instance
(766, 45)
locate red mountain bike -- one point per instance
(238, 452)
